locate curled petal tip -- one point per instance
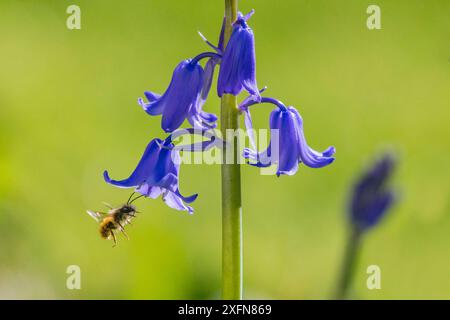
(151, 96)
(142, 103)
(190, 199)
(329, 152)
(106, 176)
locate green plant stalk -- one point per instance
(349, 264)
(231, 186)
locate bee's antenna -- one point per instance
(136, 198)
(128, 202)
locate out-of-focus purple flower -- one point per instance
(371, 198)
(238, 66)
(292, 147)
(157, 174)
(185, 96)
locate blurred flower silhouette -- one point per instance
(371, 197)
(370, 200)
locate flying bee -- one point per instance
(115, 219)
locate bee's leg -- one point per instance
(122, 229)
(114, 238)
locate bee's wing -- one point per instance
(108, 205)
(96, 215)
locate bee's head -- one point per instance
(128, 208)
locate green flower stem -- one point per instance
(231, 186)
(349, 264)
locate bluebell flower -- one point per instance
(238, 66)
(157, 174)
(371, 198)
(291, 145)
(184, 98)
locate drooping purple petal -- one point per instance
(308, 156)
(175, 202)
(149, 106)
(288, 142)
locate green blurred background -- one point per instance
(68, 111)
